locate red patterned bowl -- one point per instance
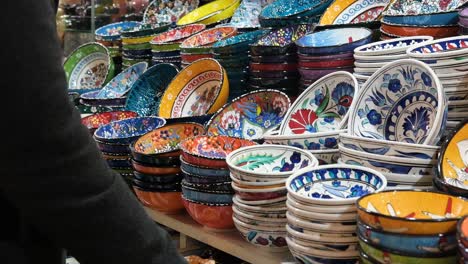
(177, 34)
(166, 202)
(92, 122)
(407, 31)
(210, 215)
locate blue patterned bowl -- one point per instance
(436, 19)
(266, 237)
(238, 43)
(391, 46)
(126, 130)
(440, 48)
(203, 171)
(403, 101)
(122, 83)
(93, 99)
(333, 41)
(111, 32)
(280, 41)
(314, 141)
(288, 8)
(334, 184)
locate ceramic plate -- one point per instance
(403, 101)
(361, 11)
(146, 92)
(122, 83)
(321, 107)
(177, 34)
(112, 31)
(125, 130)
(406, 7)
(168, 11)
(213, 147)
(453, 163)
(89, 66)
(250, 115)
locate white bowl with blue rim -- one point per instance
(335, 184)
(259, 213)
(391, 46)
(381, 58)
(441, 48)
(314, 141)
(297, 223)
(312, 216)
(310, 255)
(261, 220)
(260, 202)
(403, 101)
(331, 209)
(316, 235)
(272, 239)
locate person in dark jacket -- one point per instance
(56, 191)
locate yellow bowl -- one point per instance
(206, 11)
(225, 14)
(200, 88)
(412, 212)
(137, 40)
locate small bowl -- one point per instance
(261, 220)
(112, 32)
(94, 121)
(167, 202)
(177, 35)
(213, 216)
(402, 212)
(209, 13)
(149, 169)
(431, 19)
(207, 38)
(113, 148)
(278, 207)
(272, 239)
(207, 197)
(158, 179)
(201, 179)
(203, 171)
(269, 202)
(259, 194)
(331, 209)
(328, 237)
(258, 184)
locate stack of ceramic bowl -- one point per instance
(395, 124)
(371, 57)
(409, 227)
(463, 23)
(199, 45)
(318, 116)
(272, 53)
(206, 188)
(94, 121)
(110, 36)
(328, 51)
(420, 18)
(233, 54)
(462, 236)
(321, 216)
(448, 58)
(113, 140)
(451, 175)
(283, 13)
(155, 159)
(213, 13)
(258, 176)
(165, 46)
(136, 45)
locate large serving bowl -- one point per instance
(390, 47)
(270, 238)
(313, 141)
(334, 184)
(392, 97)
(403, 212)
(126, 130)
(167, 202)
(214, 216)
(94, 121)
(200, 88)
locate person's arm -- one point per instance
(51, 168)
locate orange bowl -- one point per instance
(154, 170)
(211, 216)
(166, 202)
(407, 31)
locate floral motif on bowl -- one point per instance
(214, 147)
(128, 129)
(284, 36)
(168, 11)
(122, 83)
(411, 8)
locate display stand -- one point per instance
(228, 241)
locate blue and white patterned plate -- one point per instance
(441, 48)
(126, 130)
(122, 83)
(368, 9)
(403, 101)
(111, 32)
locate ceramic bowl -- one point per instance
(370, 116)
(279, 41)
(290, 57)
(334, 40)
(143, 32)
(111, 32)
(94, 121)
(266, 215)
(259, 194)
(177, 35)
(334, 184)
(273, 66)
(207, 11)
(157, 187)
(284, 8)
(433, 19)
(207, 38)
(167, 202)
(205, 172)
(206, 197)
(201, 179)
(200, 88)
(443, 186)
(322, 228)
(326, 156)
(274, 74)
(402, 212)
(168, 159)
(258, 184)
(214, 216)
(251, 115)
(408, 31)
(268, 202)
(269, 239)
(126, 130)
(123, 82)
(279, 22)
(335, 209)
(312, 141)
(238, 43)
(388, 47)
(311, 255)
(219, 187)
(441, 48)
(462, 231)
(273, 208)
(323, 246)
(272, 161)
(158, 179)
(321, 107)
(313, 74)
(380, 58)
(261, 220)
(151, 169)
(348, 55)
(91, 99)
(325, 64)
(322, 217)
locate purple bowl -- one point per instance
(313, 74)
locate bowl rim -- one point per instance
(411, 220)
(390, 58)
(267, 183)
(205, 204)
(184, 149)
(257, 191)
(326, 254)
(258, 202)
(162, 120)
(360, 50)
(259, 218)
(366, 30)
(290, 44)
(335, 217)
(293, 200)
(263, 229)
(137, 23)
(364, 225)
(345, 239)
(410, 52)
(104, 113)
(232, 32)
(176, 29)
(185, 163)
(459, 228)
(251, 34)
(293, 219)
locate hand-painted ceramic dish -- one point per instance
(238, 43)
(152, 170)
(403, 101)
(286, 8)
(211, 151)
(334, 184)
(321, 107)
(408, 31)
(441, 48)
(211, 197)
(403, 212)
(250, 115)
(177, 35)
(93, 122)
(126, 130)
(201, 179)
(158, 179)
(203, 171)
(272, 239)
(169, 159)
(143, 33)
(122, 83)
(111, 32)
(246, 15)
(434, 19)
(207, 38)
(307, 254)
(360, 11)
(145, 95)
(88, 67)
(393, 46)
(198, 89)
(166, 202)
(453, 159)
(215, 216)
(334, 40)
(403, 7)
(334, 10)
(209, 13)
(171, 11)
(308, 141)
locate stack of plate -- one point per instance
(448, 58)
(213, 13)
(233, 54)
(136, 43)
(206, 188)
(328, 51)
(462, 235)
(321, 216)
(371, 57)
(165, 46)
(463, 23)
(395, 124)
(396, 226)
(155, 159)
(113, 140)
(353, 12)
(258, 175)
(199, 45)
(272, 53)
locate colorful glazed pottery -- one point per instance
(432, 19)
(159, 11)
(123, 82)
(198, 89)
(210, 13)
(408, 31)
(112, 32)
(166, 202)
(280, 40)
(305, 254)
(308, 141)
(207, 38)
(93, 122)
(269, 238)
(176, 35)
(393, 46)
(403, 7)
(238, 43)
(250, 115)
(354, 11)
(215, 216)
(246, 15)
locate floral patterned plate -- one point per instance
(334, 184)
(168, 11)
(403, 101)
(122, 83)
(251, 115)
(392, 46)
(88, 67)
(280, 40)
(361, 11)
(321, 107)
(94, 121)
(208, 37)
(177, 34)
(406, 7)
(126, 130)
(111, 32)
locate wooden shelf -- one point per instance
(228, 241)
